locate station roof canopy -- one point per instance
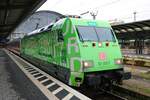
(134, 30)
(13, 12)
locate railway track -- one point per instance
(99, 94)
(117, 93)
(128, 94)
(137, 61)
(118, 97)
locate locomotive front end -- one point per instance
(100, 53)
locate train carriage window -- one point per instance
(60, 36)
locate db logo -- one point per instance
(102, 56)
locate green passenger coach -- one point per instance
(76, 51)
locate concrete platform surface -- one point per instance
(14, 85)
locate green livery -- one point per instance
(75, 50)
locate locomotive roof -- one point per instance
(82, 22)
(90, 22)
(75, 21)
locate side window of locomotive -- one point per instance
(49, 27)
(60, 36)
(42, 30)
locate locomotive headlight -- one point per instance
(100, 44)
(87, 64)
(118, 61)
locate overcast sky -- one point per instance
(107, 9)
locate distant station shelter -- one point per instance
(135, 36)
(13, 12)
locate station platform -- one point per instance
(137, 60)
(143, 56)
(133, 51)
(14, 85)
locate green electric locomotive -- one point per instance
(76, 51)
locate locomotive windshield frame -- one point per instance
(95, 34)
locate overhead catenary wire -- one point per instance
(131, 15)
(98, 7)
(107, 4)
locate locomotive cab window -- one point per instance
(105, 34)
(90, 33)
(87, 33)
